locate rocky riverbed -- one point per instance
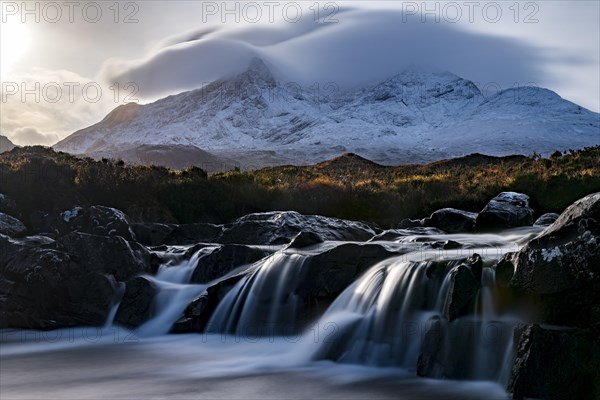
(421, 298)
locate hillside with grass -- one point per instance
(350, 187)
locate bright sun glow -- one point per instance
(14, 41)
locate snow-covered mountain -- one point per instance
(414, 116)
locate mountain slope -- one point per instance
(6, 144)
(415, 116)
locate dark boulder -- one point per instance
(194, 233)
(453, 350)
(554, 364)
(275, 228)
(452, 220)
(10, 226)
(136, 306)
(305, 239)
(197, 314)
(507, 210)
(152, 234)
(465, 282)
(445, 245)
(109, 255)
(8, 206)
(155, 234)
(560, 268)
(546, 219)
(43, 288)
(95, 220)
(222, 260)
(193, 316)
(327, 274)
(429, 363)
(409, 223)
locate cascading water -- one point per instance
(377, 318)
(386, 317)
(264, 301)
(174, 294)
(394, 315)
(115, 306)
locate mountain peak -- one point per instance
(258, 71)
(6, 144)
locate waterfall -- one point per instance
(393, 315)
(264, 301)
(115, 304)
(175, 293)
(387, 316)
(379, 319)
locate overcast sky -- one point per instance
(68, 64)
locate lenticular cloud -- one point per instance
(361, 48)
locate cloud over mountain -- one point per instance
(363, 47)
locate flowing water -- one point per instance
(365, 345)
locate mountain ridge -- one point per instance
(414, 116)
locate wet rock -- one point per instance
(152, 234)
(137, 303)
(10, 226)
(445, 245)
(43, 223)
(507, 210)
(95, 220)
(428, 363)
(197, 314)
(554, 364)
(560, 268)
(465, 282)
(224, 259)
(409, 223)
(328, 273)
(43, 288)
(194, 233)
(192, 320)
(305, 239)
(7, 205)
(275, 228)
(449, 350)
(155, 234)
(546, 219)
(109, 254)
(451, 220)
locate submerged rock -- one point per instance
(507, 210)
